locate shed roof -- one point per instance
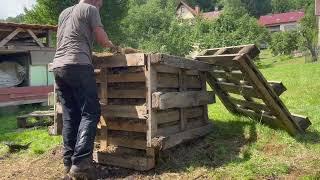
(281, 18)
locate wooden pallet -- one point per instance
(149, 103)
(244, 90)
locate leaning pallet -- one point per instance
(149, 102)
(244, 90)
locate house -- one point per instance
(184, 11)
(282, 22)
(25, 52)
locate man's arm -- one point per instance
(102, 38)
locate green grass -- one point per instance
(240, 148)
(41, 141)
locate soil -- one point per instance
(49, 166)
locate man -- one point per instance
(76, 86)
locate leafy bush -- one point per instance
(284, 43)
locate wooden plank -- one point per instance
(123, 94)
(233, 75)
(250, 49)
(167, 116)
(137, 59)
(139, 163)
(278, 87)
(181, 99)
(223, 96)
(269, 96)
(182, 88)
(203, 79)
(219, 60)
(193, 82)
(35, 38)
(151, 85)
(167, 81)
(10, 36)
(243, 90)
(180, 62)
(128, 125)
(139, 112)
(103, 86)
(124, 77)
(103, 133)
(249, 104)
(179, 138)
(263, 118)
(127, 142)
(302, 121)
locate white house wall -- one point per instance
(184, 13)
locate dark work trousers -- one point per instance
(77, 91)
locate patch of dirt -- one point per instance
(50, 166)
(273, 149)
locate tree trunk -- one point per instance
(313, 52)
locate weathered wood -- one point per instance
(243, 90)
(219, 60)
(152, 81)
(10, 36)
(302, 121)
(169, 100)
(123, 94)
(103, 133)
(179, 138)
(35, 38)
(269, 96)
(127, 60)
(103, 86)
(223, 96)
(127, 142)
(180, 62)
(203, 80)
(182, 88)
(167, 80)
(167, 116)
(278, 87)
(127, 125)
(139, 163)
(249, 104)
(250, 50)
(139, 112)
(261, 117)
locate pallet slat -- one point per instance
(139, 112)
(169, 100)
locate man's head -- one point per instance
(97, 3)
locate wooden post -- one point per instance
(151, 83)
(182, 88)
(104, 102)
(317, 13)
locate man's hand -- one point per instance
(116, 50)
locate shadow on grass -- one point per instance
(310, 137)
(225, 144)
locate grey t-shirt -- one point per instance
(75, 35)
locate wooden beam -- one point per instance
(179, 138)
(123, 94)
(139, 163)
(278, 87)
(269, 96)
(302, 121)
(111, 111)
(127, 125)
(249, 104)
(103, 86)
(223, 95)
(180, 62)
(35, 38)
(151, 85)
(10, 36)
(127, 60)
(169, 100)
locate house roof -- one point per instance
(28, 26)
(193, 11)
(282, 18)
(317, 8)
(207, 15)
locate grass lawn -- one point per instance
(41, 141)
(238, 147)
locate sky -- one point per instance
(12, 8)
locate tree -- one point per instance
(284, 43)
(281, 6)
(48, 11)
(309, 33)
(18, 19)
